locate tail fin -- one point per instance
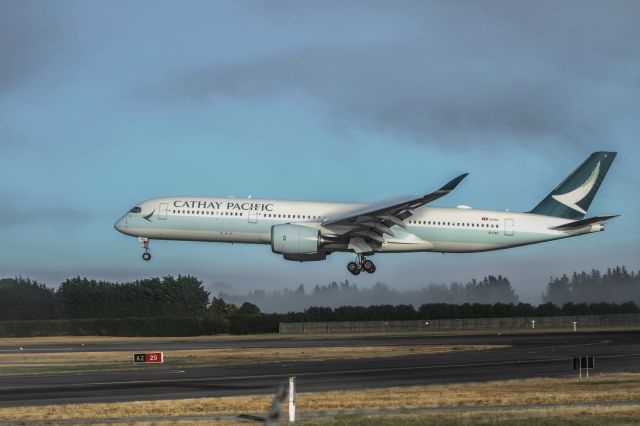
(573, 196)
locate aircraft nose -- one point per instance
(121, 225)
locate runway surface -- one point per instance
(531, 355)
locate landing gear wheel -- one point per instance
(361, 264)
(145, 245)
(368, 266)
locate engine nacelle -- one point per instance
(306, 257)
(294, 239)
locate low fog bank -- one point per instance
(615, 285)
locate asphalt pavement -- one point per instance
(530, 355)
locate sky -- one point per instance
(105, 104)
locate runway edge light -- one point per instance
(149, 357)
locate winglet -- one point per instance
(450, 186)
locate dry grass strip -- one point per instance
(88, 340)
(475, 396)
(618, 387)
(627, 414)
(30, 362)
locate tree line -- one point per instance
(24, 299)
(181, 305)
(490, 289)
(616, 285)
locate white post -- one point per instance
(533, 323)
(580, 363)
(292, 399)
(575, 323)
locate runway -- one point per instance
(530, 355)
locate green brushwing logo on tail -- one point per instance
(572, 198)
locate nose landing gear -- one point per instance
(145, 245)
(361, 264)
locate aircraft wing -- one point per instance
(367, 225)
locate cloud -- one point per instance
(499, 70)
(22, 215)
(29, 36)
(12, 141)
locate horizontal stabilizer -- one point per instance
(582, 223)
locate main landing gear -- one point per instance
(361, 263)
(145, 245)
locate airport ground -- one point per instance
(412, 379)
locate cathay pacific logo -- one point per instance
(570, 199)
(147, 217)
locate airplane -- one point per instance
(310, 230)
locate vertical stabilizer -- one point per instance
(572, 198)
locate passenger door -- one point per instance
(508, 227)
(253, 216)
(162, 212)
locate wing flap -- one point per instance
(359, 245)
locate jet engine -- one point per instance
(294, 240)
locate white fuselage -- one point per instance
(242, 220)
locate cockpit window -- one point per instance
(135, 210)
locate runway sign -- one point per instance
(153, 357)
(583, 362)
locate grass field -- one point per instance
(89, 340)
(82, 361)
(600, 400)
